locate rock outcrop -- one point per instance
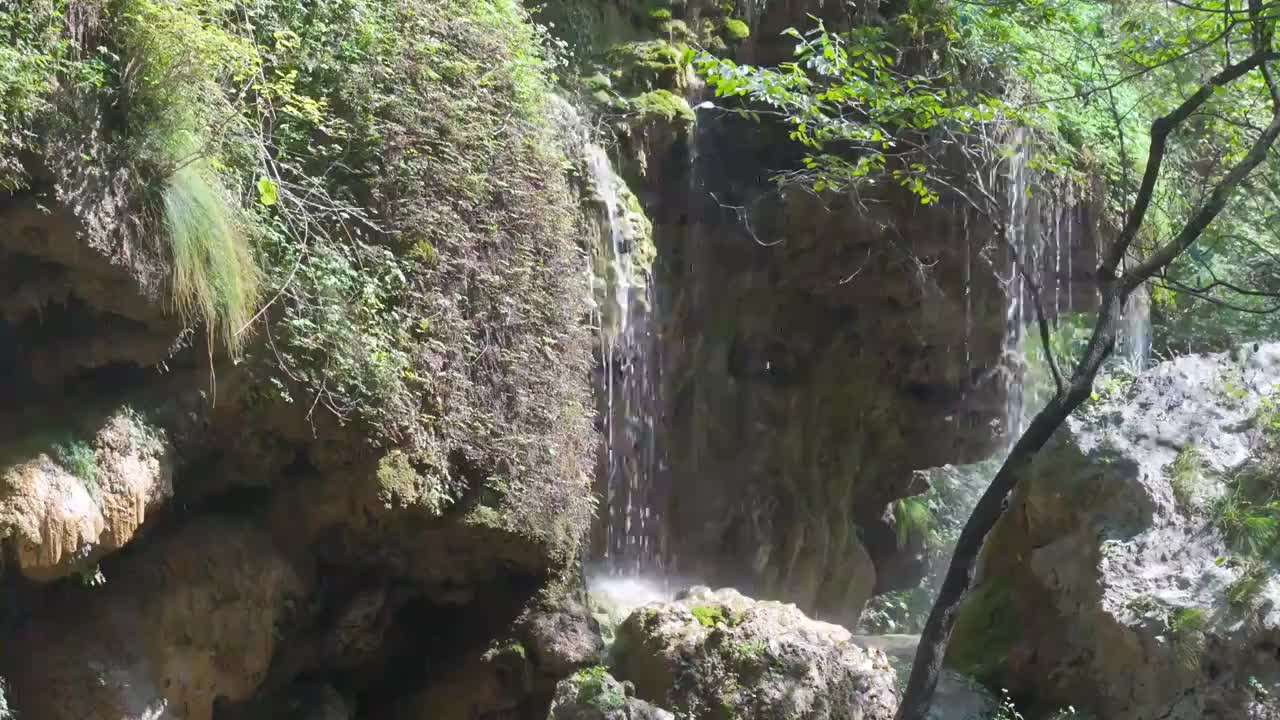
(594, 694)
(1133, 575)
(719, 655)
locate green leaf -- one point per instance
(267, 191)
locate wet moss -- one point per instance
(985, 632)
(736, 30)
(663, 104)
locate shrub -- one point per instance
(1242, 591)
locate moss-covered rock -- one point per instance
(719, 655)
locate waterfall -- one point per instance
(1135, 331)
(1018, 228)
(629, 542)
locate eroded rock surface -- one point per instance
(722, 655)
(1122, 580)
(67, 501)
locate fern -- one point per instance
(912, 516)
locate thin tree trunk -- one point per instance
(942, 619)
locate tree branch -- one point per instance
(1160, 131)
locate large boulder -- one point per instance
(1132, 576)
(722, 655)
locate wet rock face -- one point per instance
(1123, 580)
(814, 350)
(812, 367)
(722, 655)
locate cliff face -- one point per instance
(814, 350)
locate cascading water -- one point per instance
(629, 539)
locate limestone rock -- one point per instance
(563, 636)
(69, 502)
(595, 695)
(185, 623)
(1118, 581)
(722, 655)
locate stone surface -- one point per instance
(65, 503)
(596, 695)
(722, 655)
(181, 625)
(956, 698)
(1111, 583)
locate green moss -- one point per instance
(677, 32)
(663, 104)
(986, 630)
(402, 485)
(598, 689)
(646, 65)
(709, 615)
(661, 13)
(736, 30)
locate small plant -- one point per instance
(79, 459)
(1141, 605)
(709, 615)
(1250, 528)
(1007, 710)
(746, 652)
(1186, 633)
(1245, 589)
(1185, 475)
(597, 688)
(1260, 692)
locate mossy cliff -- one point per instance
(294, 383)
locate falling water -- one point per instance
(628, 380)
(1135, 332)
(1015, 321)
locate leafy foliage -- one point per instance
(376, 188)
(849, 103)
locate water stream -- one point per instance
(629, 380)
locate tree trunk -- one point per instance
(942, 619)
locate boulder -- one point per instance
(594, 694)
(718, 654)
(1132, 575)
